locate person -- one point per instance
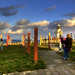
(60, 44)
(68, 45)
(64, 47)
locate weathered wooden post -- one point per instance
(1, 43)
(43, 39)
(23, 39)
(28, 48)
(7, 40)
(49, 40)
(40, 39)
(26, 42)
(11, 41)
(36, 45)
(46, 39)
(60, 44)
(54, 39)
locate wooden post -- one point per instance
(26, 42)
(43, 39)
(54, 39)
(49, 40)
(36, 45)
(23, 39)
(28, 49)
(7, 40)
(1, 43)
(11, 41)
(40, 39)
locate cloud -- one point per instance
(45, 29)
(67, 26)
(11, 10)
(50, 8)
(69, 14)
(16, 27)
(26, 24)
(65, 23)
(15, 32)
(20, 31)
(39, 23)
(4, 25)
(22, 22)
(9, 14)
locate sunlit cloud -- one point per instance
(25, 24)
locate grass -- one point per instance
(71, 55)
(44, 47)
(15, 58)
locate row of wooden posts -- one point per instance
(28, 47)
(52, 39)
(35, 43)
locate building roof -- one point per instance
(58, 25)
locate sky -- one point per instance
(19, 17)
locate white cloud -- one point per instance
(15, 32)
(20, 31)
(29, 25)
(39, 23)
(65, 23)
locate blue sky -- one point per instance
(19, 17)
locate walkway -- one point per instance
(54, 62)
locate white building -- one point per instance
(57, 32)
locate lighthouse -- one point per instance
(58, 32)
(58, 35)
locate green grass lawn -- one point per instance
(15, 58)
(43, 47)
(71, 55)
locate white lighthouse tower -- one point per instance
(58, 31)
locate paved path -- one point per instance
(54, 62)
